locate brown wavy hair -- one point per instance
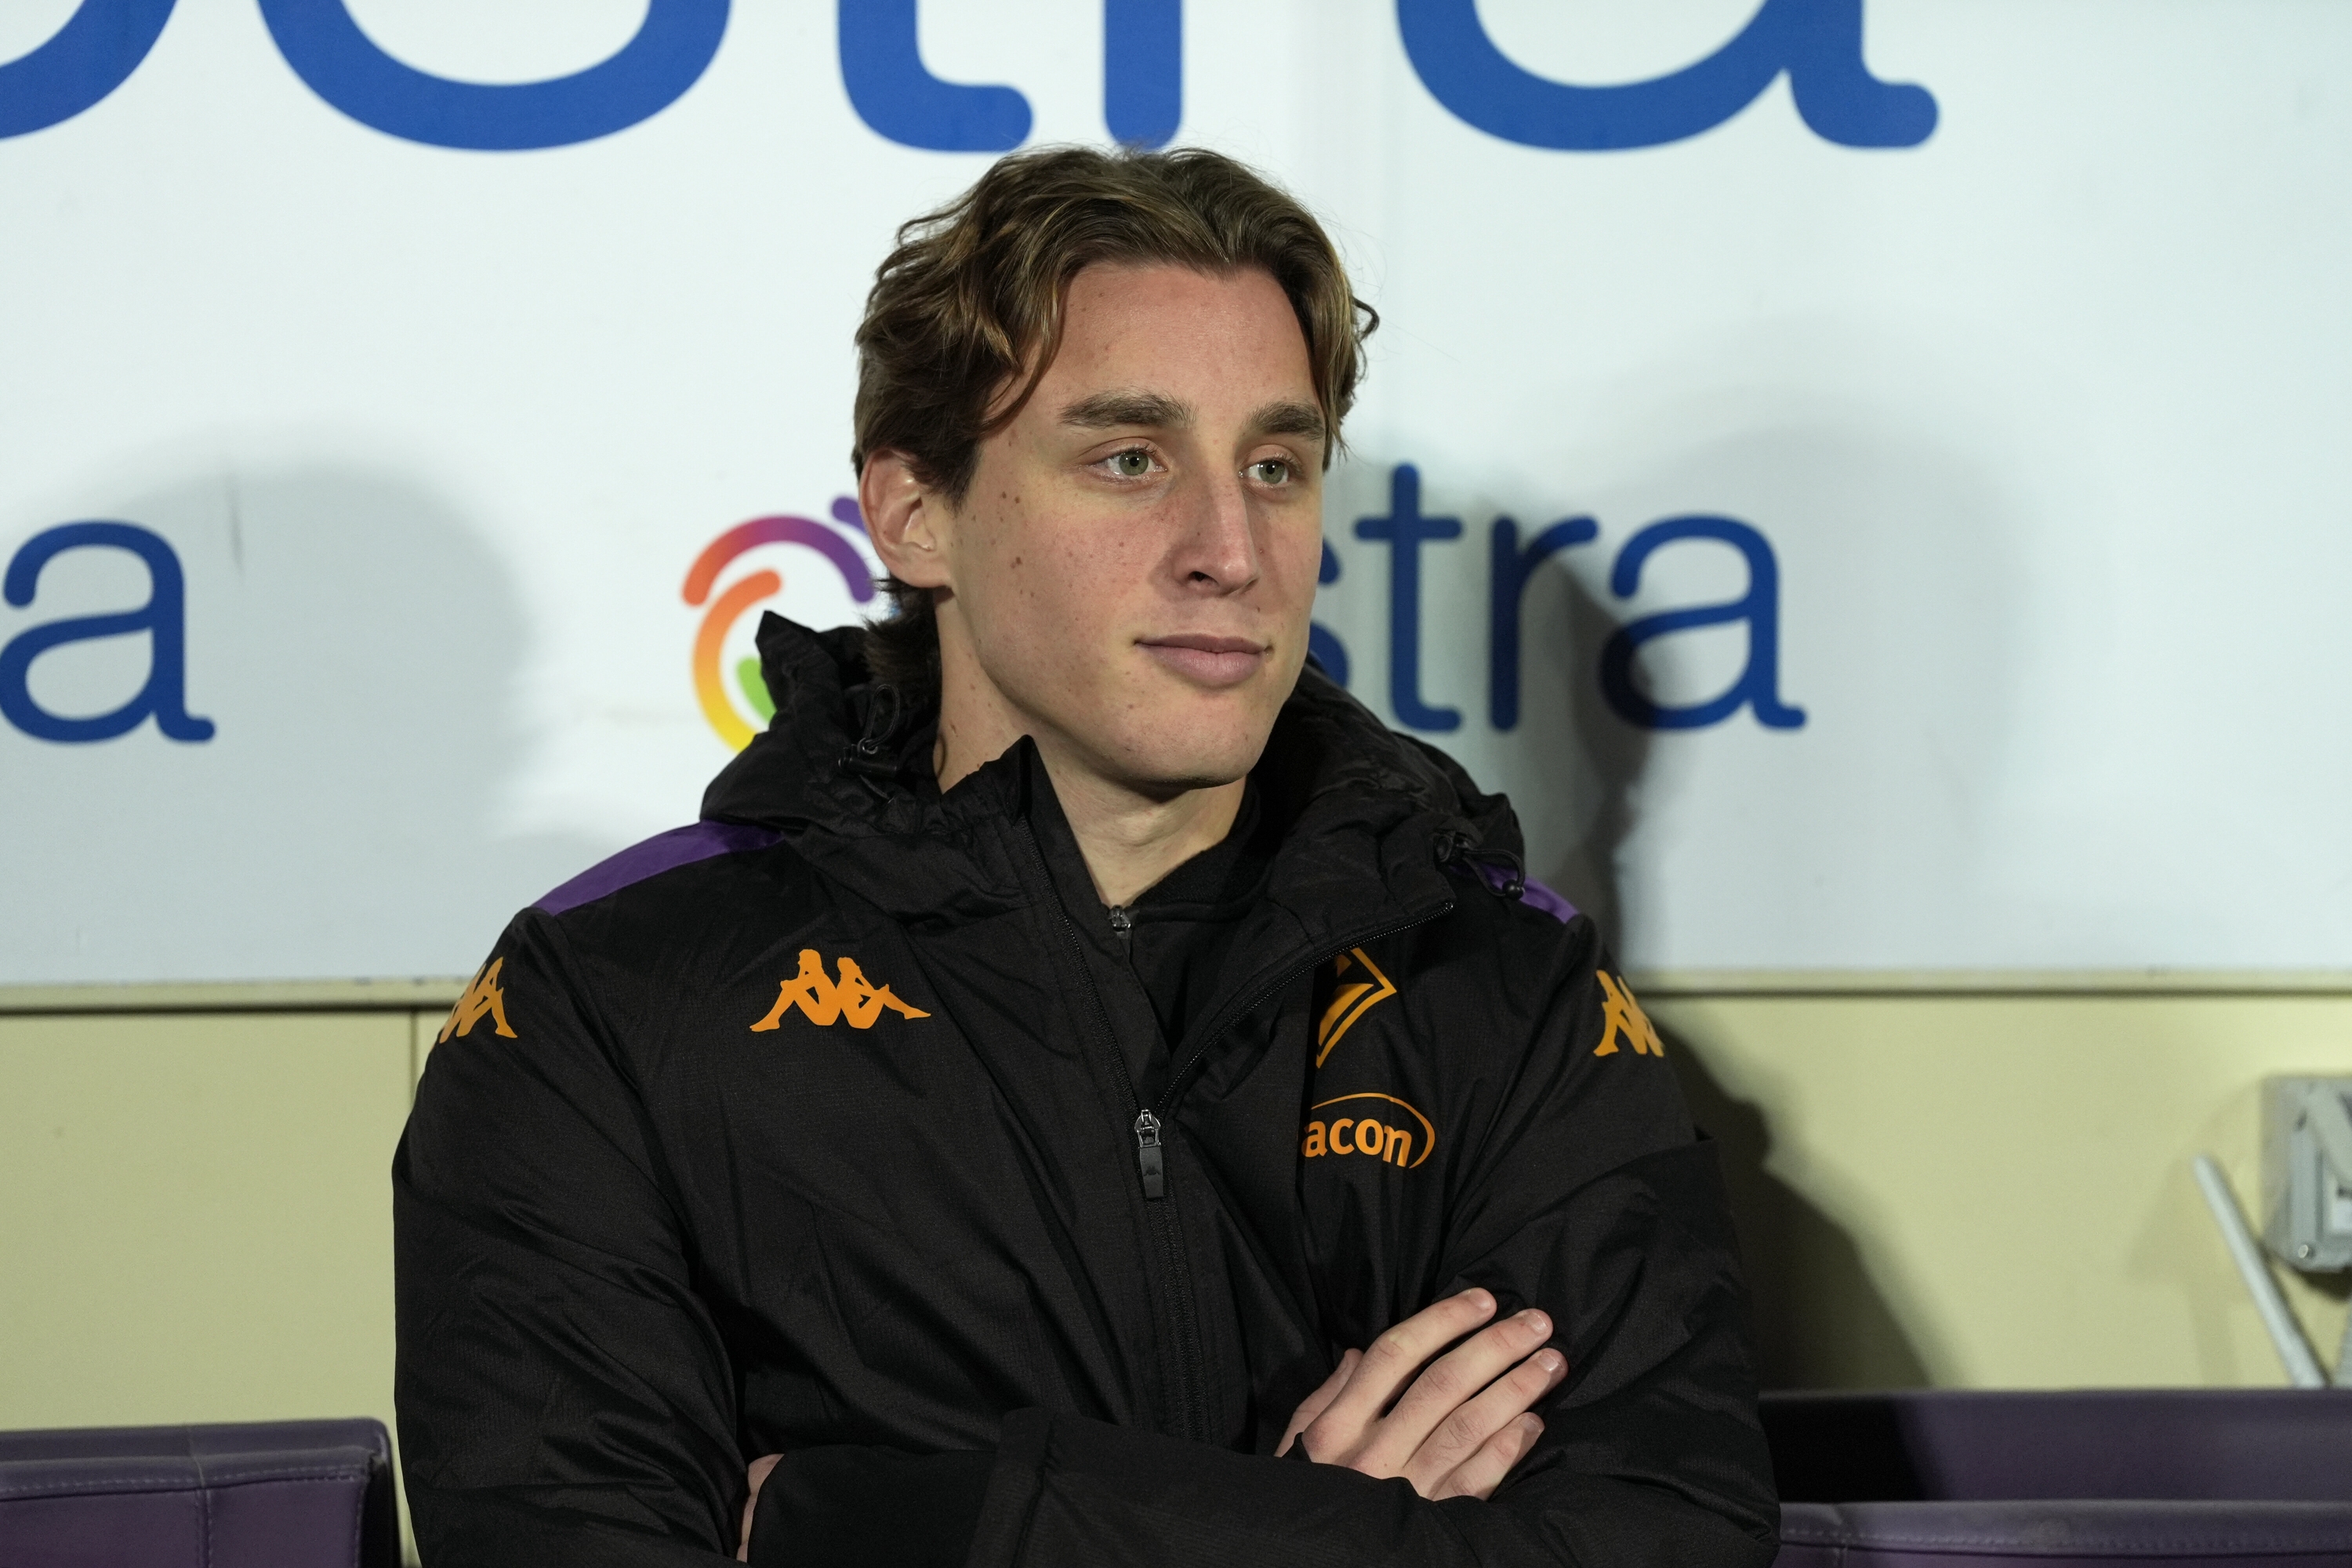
(965, 316)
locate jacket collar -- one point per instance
(844, 772)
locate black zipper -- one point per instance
(1148, 1155)
(1148, 1159)
(1150, 1152)
(1172, 1281)
(1151, 1158)
(1233, 1014)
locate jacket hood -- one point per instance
(844, 772)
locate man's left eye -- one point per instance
(1271, 471)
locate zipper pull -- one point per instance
(1148, 1155)
(1121, 923)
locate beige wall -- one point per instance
(1993, 1191)
(195, 1219)
(1964, 1190)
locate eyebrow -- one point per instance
(1108, 410)
(1111, 410)
(1290, 419)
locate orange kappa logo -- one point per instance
(823, 1000)
(1622, 1017)
(483, 996)
(1351, 1001)
(1368, 1134)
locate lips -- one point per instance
(1208, 661)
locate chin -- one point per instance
(1202, 759)
(1162, 737)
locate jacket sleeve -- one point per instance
(1588, 1194)
(564, 1395)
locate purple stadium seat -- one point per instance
(2180, 1478)
(286, 1494)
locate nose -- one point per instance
(1216, 551)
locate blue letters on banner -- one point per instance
(883, 69)
(652, 71)
(1512, 566)
(1817, 42)
(898, 97)
(1404, 529)
(163, 618)
(94, 53)
(1143, 70)
(1758, 683)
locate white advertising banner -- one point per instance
(1868, 481)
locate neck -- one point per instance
(1130, 841)
(1131, 838)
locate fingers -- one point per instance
(1454, 1425)
(1483, 1471)
(1464, 1435)
(1315, 1404)
(1394, 1358)
(756, 1474)
(1448, 1391)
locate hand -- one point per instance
(758, 1473)
(1463, 1421)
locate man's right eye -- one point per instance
(1132, 464)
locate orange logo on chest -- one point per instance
(1351, 1001)
(826, 999)
(1394, 1142)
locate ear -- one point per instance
(906, 521)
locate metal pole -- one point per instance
(2286, 1334)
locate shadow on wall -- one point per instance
(356, 645)
(1568, 724)
(1818, 1320)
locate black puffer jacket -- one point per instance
(804, 1129)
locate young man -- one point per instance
(1086, 1093)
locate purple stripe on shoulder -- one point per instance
(1538, 895)
(662, 852)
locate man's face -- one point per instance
(1132, 568)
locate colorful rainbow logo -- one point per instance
(710, 684)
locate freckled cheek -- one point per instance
(1060, 604)
(1288, 586)
(1300, 548)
